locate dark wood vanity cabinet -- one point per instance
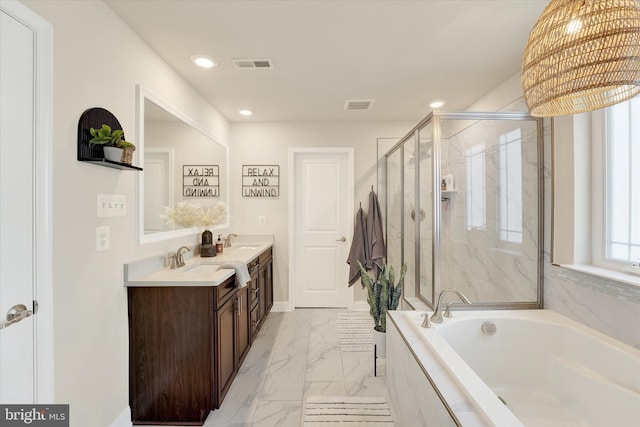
(185, 347)
(186, 344)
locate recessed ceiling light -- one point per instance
(245, 112)
(436, 104)
(203, 61)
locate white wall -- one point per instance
(268, 143)
(99, 66)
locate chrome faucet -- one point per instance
(227, 240)
(180, 256)
(437, 314)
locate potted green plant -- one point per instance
(115, 147)
(383, 294)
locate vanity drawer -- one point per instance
(223, 292)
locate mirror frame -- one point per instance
(143, 94)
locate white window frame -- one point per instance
(600, 198)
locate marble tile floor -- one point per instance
(295, 354)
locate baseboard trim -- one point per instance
(280, 306)
(360, 305)
(123, 419)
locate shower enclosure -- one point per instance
(464, 208)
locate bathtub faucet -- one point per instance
(437, 314)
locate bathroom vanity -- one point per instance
(189, 331)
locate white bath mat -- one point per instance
(355, 331)
(347, 411)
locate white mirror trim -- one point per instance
(143, 93)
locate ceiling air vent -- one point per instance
(358, 104)
(243, 64)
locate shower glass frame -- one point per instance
(435, 119)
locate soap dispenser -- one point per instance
(219, 245)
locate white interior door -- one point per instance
(17, 220)
(26, 109)
(322, 212)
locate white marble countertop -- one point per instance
(197, 271)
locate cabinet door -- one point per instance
(262, 295)
(244, 328)
(268, 286)
(255, 322)
(171, 368)
(255, 283)
(225, 348)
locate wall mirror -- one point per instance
(182, 162)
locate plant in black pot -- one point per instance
(383, 294)
(115, 147)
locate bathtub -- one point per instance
(528, 368)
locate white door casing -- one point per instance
(321, 217)
(26, 347)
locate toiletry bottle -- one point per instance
(219, 245)
(443, 185)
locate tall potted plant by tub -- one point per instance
(116, 148)
(383, 294)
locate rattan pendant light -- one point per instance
(582, 55)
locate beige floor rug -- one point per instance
(355, 329)
(347, 411)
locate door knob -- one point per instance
(16, 314)
(342, 239)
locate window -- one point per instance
(622, 182)
(510, 189)
(476, 201)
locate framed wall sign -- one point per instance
(201, 181)
(261, 181)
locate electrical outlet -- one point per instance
(112, 205)
(102, 239)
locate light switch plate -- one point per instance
(112, 205)
(262, 220)
(102, 239)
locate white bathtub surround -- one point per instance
(549, 370)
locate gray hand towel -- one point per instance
(358, 250)
(376, 250)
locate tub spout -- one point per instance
(437, 314)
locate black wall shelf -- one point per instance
(95, 118)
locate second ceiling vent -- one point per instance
(247, 63)
(358, 104)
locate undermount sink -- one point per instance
(201, 268)
(245, 246)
